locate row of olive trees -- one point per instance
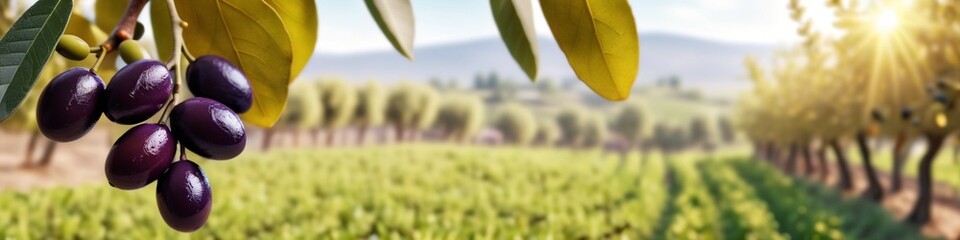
(327, 105)
(891, 76)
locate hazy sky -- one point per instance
(346, 25)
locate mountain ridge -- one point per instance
(701, 63)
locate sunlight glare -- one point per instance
(887, 21)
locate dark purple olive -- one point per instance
(70, 105)
(138, 91)
(208, 128)
(184, 196)
(216, 78)
(140, 156)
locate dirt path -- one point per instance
(73, 163)
(945, 222)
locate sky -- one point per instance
(347, 27)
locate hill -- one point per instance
(704, 64)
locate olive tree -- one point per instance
(460, 117)
(700, 132)
(548, 132)
(411, 107)
(571, 121)
(371, 108)
(516, 123)
(339, 101)
(727, 133)
(669, 139)
(304, 111)
(629, 123)
(428, 99)
(594, 131)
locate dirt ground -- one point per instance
(73, 163)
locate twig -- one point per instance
(174, 62)
(178, 25)
(126, 27)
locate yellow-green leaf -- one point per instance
(515, 20)
(599, 38)
(395, 18)
(300, 20)
(162, 29)
(108, 13)
(250, 34)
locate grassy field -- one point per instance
(451, 192)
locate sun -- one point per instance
(886, 21)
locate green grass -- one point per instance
(747, 215)
(809, 210)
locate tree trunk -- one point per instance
(331, 136)
(771, 152)
(822, 161)
(31, 146)
(807, 160)
(845, 183)
(315, 137)
(267, 139)
(47, 156)
(792, 159)
(900, 153)
(296, 137)
(400, 133)
(874, 189)
(362, 134)
(921, 209)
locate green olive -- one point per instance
(73, 48)
(131, 51)
(138, 31)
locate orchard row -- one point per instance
(441, 191)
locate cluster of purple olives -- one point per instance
(207, 125)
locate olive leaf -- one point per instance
(162, 29)
(109, 12)
(395, 18)
(251, 34)
(599, 38)
(27, 47)
(515, 20)
(300, 21)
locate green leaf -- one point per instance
(515, 20)
(108, 13)
(300, 21)
(395, 18)
(251, 34)
(599, 38)
(162, 29)
(25, 49)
